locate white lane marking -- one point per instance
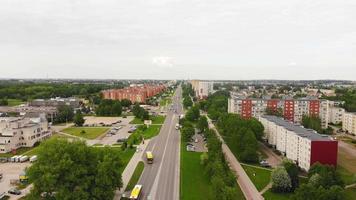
(155, 183)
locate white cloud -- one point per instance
(163, 61)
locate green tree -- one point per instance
(280, 180)
(187, 133)
(292, 170)
(65, 114)
(202, 124)
(72, 170)
(78, 118)
(4, 102)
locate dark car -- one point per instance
(121, 140)
(14, 191)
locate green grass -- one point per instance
(151, 131)
(165, 101)
(135, 176)
(126, 157)
(262, 176)
(269, 195)
(345, 175)
(15, 102)
(195, 184)
(350, 194)
(159, 119)
(90, 133)
(19, 151)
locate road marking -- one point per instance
(155, 183)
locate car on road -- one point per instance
(264, 163)
(14, 191)
(121, 140)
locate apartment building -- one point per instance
(137, 94)
(55, 102)
(336, 115)
(292, 109)
(202, 88)
(304, 146)
(16, 132)
(349, 122)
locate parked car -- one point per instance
(121, 140)
(264, 163)
(14, 191)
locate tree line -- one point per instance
(314, 123)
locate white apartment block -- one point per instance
(336, 115)
(349, 122)
(292, 109)
(202, 88)
(303, 146)
(16, 132)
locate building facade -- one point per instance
(16, 132)
(137, 94)
(349, 122)
(304, 146)
(56, 102)
(202, 89)
(291, 109)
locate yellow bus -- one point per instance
(149, 157)
(136, 192)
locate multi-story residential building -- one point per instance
(202, 89)
(16, 132)
(304, 146)
(336, 115)
(349, 122)
(55, 102)
(292, 109)
(135, 94)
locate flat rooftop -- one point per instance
(297, 129)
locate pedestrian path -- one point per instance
(130, 168)
(247, 187)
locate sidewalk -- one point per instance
(248, 188)
(130, 168)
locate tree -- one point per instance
(280, 180)
(65, 114)
(193, 114)
(126, 103)
(108, 107)
(4, 102)
(187, 133)
(292, 170)
(72, 170)
(202, 124)
(329, 176)
(78, 119)
(249, 146)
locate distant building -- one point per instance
(292, 109)
(55, 102)
(16, 132)
(336, 115)
(202, 89)
(304, 146)
(135, 93)
(349, 122)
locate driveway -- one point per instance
(11, 171)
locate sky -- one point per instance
(178, 39)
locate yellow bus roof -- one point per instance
(149, 154)
(136, 191)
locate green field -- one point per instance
(350, 194)
(90, 132)
(269, 195)
(135, 176)
(165, 101)
(155, 120)
(15, 102)
(151, 131)
(147, 133)
(259, 176)
(195, 185)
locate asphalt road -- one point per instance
(160, 180)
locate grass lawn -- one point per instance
(126, 156)
(165, 101)
(195, 184)
(350, 194)
(14, 102)
(135, 176)
(262, 176)
(151, 131)
(90, 132)
(346, 161)
(155, 120)
(19, 151)
(346, 175)
(269, 195)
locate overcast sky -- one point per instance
(169, 39)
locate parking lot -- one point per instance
(122, 132)
(11, 171)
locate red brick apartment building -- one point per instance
(137, 94)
